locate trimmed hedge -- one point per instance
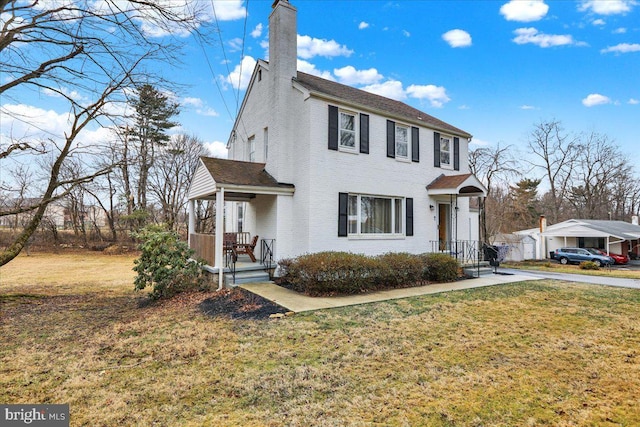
(589, 265)
(333, 273)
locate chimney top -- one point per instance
(275, 3)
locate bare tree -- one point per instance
(170, 178)
(87, 54)
(555, 154)
(492, 165)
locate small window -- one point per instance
(347, 130)
(445, 151)
(252, 149)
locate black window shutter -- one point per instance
(436, 149)
(456, 154)
(343, 203)
(415, 144)
(409, 216)
(364, 133)
(333, 127)
(391, 139)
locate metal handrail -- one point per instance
(267, 247)
(464, 251)
(230, 259)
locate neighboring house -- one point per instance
(520, 246)
(611, 236)
(318, 165)
(54, 214)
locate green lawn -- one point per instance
(536, 353)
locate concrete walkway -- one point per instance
(581, 278)
(297, 303)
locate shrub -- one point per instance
(331, 273)
(400, 269)
(589, 265)
(439, 268)
(165, 264)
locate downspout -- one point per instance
(543, 239)
(192, 219)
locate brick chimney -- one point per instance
(283, 41)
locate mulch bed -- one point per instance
(239, 304)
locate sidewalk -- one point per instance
(297, 303)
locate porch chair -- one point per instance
(247, 248)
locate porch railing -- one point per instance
(204, 244)
(267, 247)
(466, 252)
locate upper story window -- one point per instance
(445, 151)
(252, 148)
(402, 142)
(347, 130)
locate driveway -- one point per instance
(596, 280)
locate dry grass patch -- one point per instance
(537, 353)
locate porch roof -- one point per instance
(240, 180)
(465, 185)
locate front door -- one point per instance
(444, 226)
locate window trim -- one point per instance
(356, 131)
(407, 128)
(393, 219)
(450, 151)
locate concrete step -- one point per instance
(245, 277)
(478, 272)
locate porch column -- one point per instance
(219, 236)
(192, 219)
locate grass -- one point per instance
(556, 267)
(533, 353)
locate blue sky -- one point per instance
(492, 68)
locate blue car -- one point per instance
(577, 255)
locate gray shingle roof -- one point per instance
(616, 228)
(372, 101)
(236, 172)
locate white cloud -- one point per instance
(26, 121)
(607, 7)
(595, 99)
(65, 93)
(620, 30)
(192, 102)
(309, 68)
(622, 48)
(527, 107)
(464, 107)
(241, 74)
(633, 101)
(598, 22)
(229, 10)
(217, 149)
(533, 36)
(309, 47)
(406, 33)
(437, 95)
(235, 44)
(350, 76)
(363, 25)
(524, 11)
(209, 112)
(257, 31)
(479, 142)
(457, 38)
(390, 89)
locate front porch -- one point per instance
(236, 267)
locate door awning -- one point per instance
(463, 185)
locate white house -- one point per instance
(315, 165)
(611, 236)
